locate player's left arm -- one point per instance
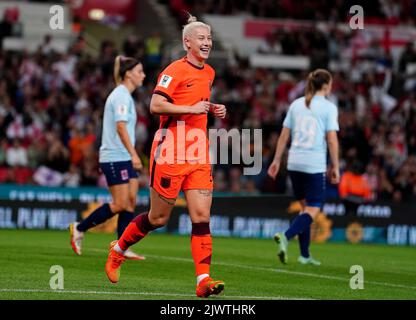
(333, 146)
(332, 127)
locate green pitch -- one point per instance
(249, 268)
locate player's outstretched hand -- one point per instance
(273, 170)
(201, 107)
(137, 163)
(218, 110)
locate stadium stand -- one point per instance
(51, 102)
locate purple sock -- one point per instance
(304, 241)
(124, 218)
(99, 215)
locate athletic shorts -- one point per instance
(118, 172)
(169, 179)
(309, 186)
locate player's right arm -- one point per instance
(159, 105)
(281, 144)
(168, 82)
(125, 139)
(280, 149)
(120, 106)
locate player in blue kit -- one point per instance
(312, 124)
(118, 158)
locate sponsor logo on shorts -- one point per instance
(124, 174)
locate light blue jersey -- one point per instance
(118, 107)
(308, 127)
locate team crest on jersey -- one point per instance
(165, 80)
(122, 109)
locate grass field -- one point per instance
(249, 268)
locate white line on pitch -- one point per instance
(299, 273)
(142, 294)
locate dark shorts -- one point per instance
(118, 172)
(309, 186)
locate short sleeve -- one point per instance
(120, 105)
(287, 123)
(332, 119)
(168, 81)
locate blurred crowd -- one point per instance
(51, 108)
(395, 11)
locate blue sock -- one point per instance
(124, 219)
(301, 222)
(304, 241)
(99, 215)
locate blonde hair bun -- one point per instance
(191, 18)
(191, 25)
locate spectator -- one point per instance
(354, 186)
(77, 145)
(72, 178)
(154, 46)
(57, 158)
(3, 151)
(16, 154)
(36, 153)
(377, 105)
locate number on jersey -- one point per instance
(305, 131)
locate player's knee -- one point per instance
(118, 207)
(200, 216)
(115, 207)
(158, 222)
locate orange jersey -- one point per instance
(185, 84)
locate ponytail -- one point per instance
(309, 90)
(121, 66)
(315, 82)
(117, 78)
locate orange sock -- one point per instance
(137, 229)
(201, 246)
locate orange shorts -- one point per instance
(169, 179)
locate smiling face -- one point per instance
(199, 43)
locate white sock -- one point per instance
(118, 249)
(200, 277)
